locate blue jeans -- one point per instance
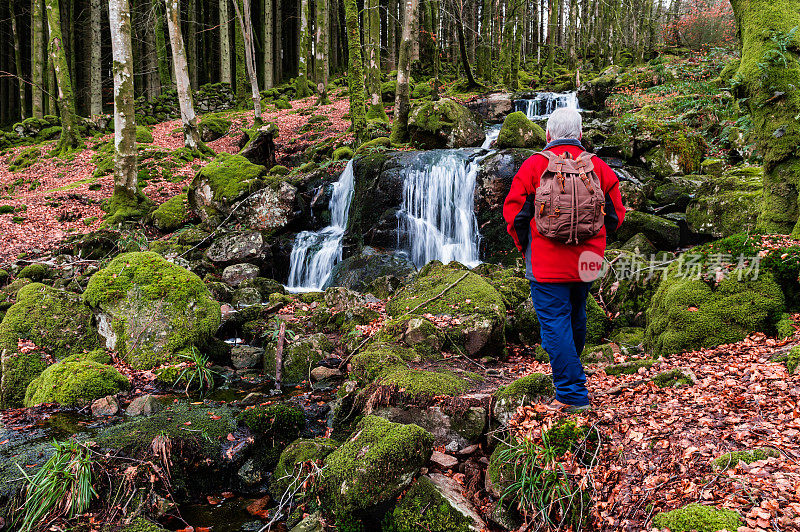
(561, 309)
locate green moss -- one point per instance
(672, 379)
(279, 169)
(172, 214)
(378, 144)
(342, 153)
(371, 468)
(424, 508)
(73, 381)
(785, 326)
(729, 460)
(296, 453)
(565, 435)
(213, 126)
(689, 314)
(4, 276)
(279, 422)
(500, 472)
(727, 204)
(596, 353)
(628, 368)
(531, 386)
(793, 360)
(376, 359)
(25, 158)
(34, 272)
(139, 288)
(55, 321)
(420, 384)
(299, 357)
(144, 135)
(699, 518)
(519, 132)
(142, 525)
(231, 177)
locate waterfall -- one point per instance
(437, 213)
(545, 103)
(316, 252)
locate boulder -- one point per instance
(172, 214)
(105, 406)
(293, 456)
(299, 357)
(213, 126)
(519, 132)
(688, 313)
(373, 466)
(144, 405)
(492, 108)
(76, 380)
(700, 517)
(270, 208)
(237, 247)
(728, 203)
(246, 356)
(342, 309)
(219, 185)
(457, 428)
(260, 145)
(627, 286)
(435, 502)
(663, 233)
(478, 308)
(149, 309)
(523, 391)
(443, 123)
(245, 297)
(360, 271)
(234, 274)
(592, 95)
(44, 324)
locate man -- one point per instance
(561, 267)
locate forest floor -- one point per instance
(54, 198)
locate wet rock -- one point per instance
(443, 123)
(519, 132)
(232, 248)
(144, 405)
(444, 461)
(246, 356)
(105, 406)
(251, 474)
(321, 373)
(149, 309)
(254, 398)
(234, 274)
(448, 427)
(246, 297)
(359, 272)
(492, 108)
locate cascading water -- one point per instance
(316, 252)
(545, 103)
(437, 213)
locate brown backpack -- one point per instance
(570, 204)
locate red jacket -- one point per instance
(548, 260)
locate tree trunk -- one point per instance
(484, 60)
(191, 38)
(462, 44)
(95, 66)
(372, 46)
(767, 77)
(165, 76)
(18, 59)
(191, 137)
(242, 88)
(70, 138)
(355, 72)
(301, 83)
(244, 15)
(127, 201)
(321, 52)
(38, 59)
(269, 45)
(552, 21)
(402, 104)
(278, 48)
(150, 59)
(391, 36)
(224, 43)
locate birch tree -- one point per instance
(65, 100)
(402, 104)
(191, 136)
(355, 72)
(224, 43)
(243, 14)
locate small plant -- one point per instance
(61, 488)
(196, 371)
(274, 332)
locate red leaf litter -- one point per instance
(659, 444)
(59, 202)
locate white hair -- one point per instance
(564, 123)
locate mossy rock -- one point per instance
(149, 309)
(372, 467)
(342, 153)
(664, 234)
(519, 132)
(141, 525)
(688, 314)
(479, 307)
(281, 422)
(144, 135)
(728, 203)
(295, 454)
(34, 272)
(221, 183)
(300, 356)
(74, 381)
(443, 123)
(377, 358)
(729, 460)
(55, 321)
(342, 309)
(377, 144)
(628, 368)
(523, 391)
(626, 287)
(420, 386)
(24, 158)
(279, 169)
(424, 508)
(172, 214)
(699, 518)
(566, 435)
(793, 360)
(213, 127)
(282, 103)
